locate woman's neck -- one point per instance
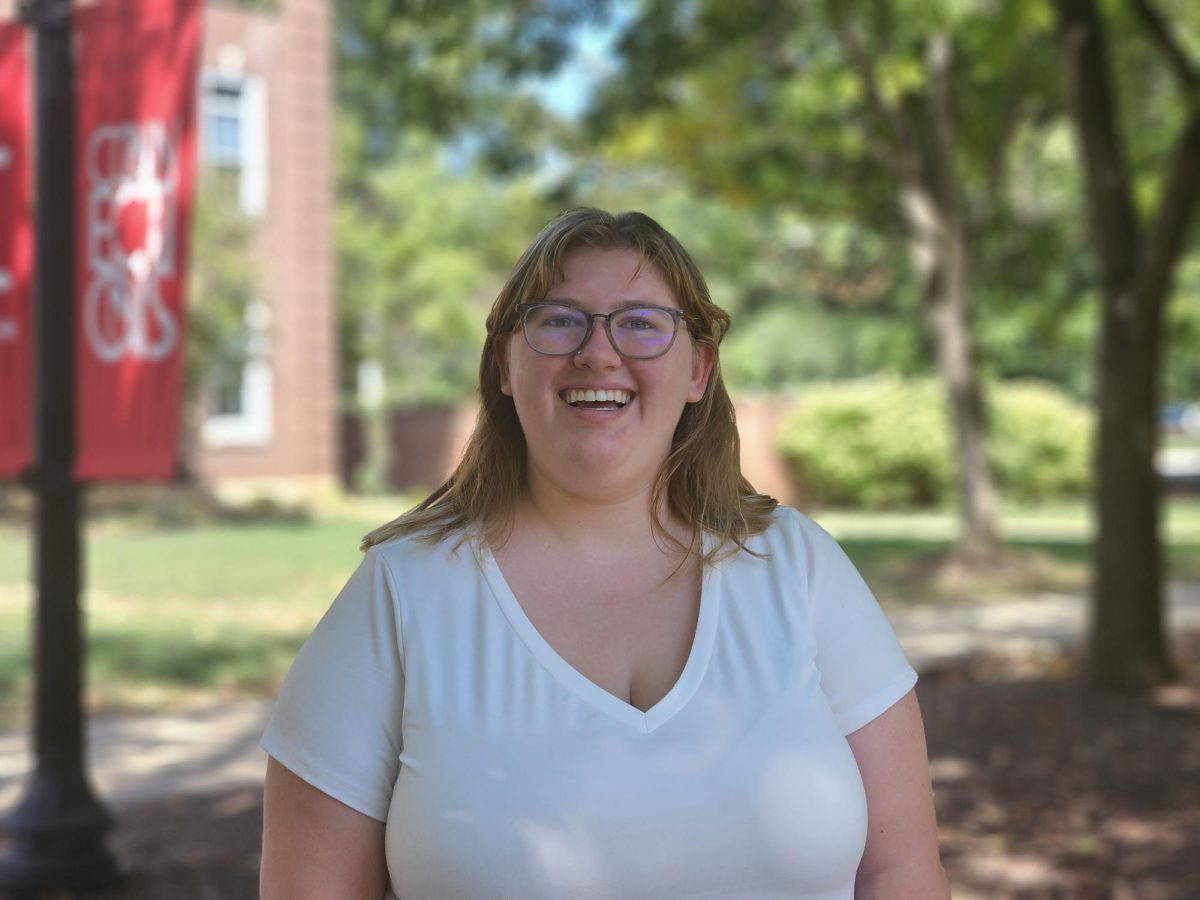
(597, 526)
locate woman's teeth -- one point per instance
(617, 398)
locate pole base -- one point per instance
(54, 838)
(66, 862)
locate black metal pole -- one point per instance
(54, 838)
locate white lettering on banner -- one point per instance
(6, 156)
(9, 331)
(132, 185)
(6, 281)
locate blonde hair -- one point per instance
(701, 479)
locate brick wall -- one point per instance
(427, 444)
(292, 51)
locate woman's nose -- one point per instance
(597, 351)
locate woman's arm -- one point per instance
(901, 859)
(315, 846)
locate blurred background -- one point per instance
(894, 201)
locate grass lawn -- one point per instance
(1049, 551)
(184, 615)
(174, 616)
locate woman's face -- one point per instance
(603, 450)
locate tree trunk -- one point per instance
(934, 214)
(940, 252)
(1127, 645)
(373, 475)
(938, 241)
(947, 313)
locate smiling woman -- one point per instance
(595, 662)
(618, 449)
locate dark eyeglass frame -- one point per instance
(523, 310)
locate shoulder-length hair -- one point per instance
(701, 479)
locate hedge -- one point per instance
(887, 442)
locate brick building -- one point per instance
(266, 119)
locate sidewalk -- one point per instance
(133, 759)
(937, 636)
(137, 758)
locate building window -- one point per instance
(233, 133)
(240, 390)
(228, 387)
(233, 147)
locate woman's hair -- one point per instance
(701, 479)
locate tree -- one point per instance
(437, 121)
(1137, 252)
(855, 109)
(808, 303)
(436, 67)
(423, 252)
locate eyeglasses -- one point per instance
(636, 332)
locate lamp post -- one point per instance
(55, 835)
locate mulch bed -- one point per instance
(1049, 789)
(1046, 790)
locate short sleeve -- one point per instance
(337, 721)
(863, 669)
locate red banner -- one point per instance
(135, 161)
(16, 248)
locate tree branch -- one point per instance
(1179, 199)
(897, 151)
(1113, 221)
(1160, 31)
(941, 124)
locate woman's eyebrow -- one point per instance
(575, 304)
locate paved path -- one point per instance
(936, 635)
(142, 758)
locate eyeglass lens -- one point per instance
(638, 332)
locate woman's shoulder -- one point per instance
(790, 531)
(416, 556)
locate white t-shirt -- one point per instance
(426, 699)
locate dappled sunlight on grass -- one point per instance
(180, 616)
(906, 556)
(218, 608)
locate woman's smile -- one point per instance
(600, 399)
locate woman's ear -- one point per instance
(703, 358)
(500, 355)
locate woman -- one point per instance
(595, 663)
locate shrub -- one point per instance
(1040, 442)
(878, 442)
(887, 442)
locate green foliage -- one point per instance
(745, 129)
(1182, 361)
(876, 443)
(766, 109)
(422, 253)
(886, 442)
(1041, 447)
(441, 67)
(808, 302)
(223, 281)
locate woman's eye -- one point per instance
(638, 324)
(561, 322)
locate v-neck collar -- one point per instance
(586, 689)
